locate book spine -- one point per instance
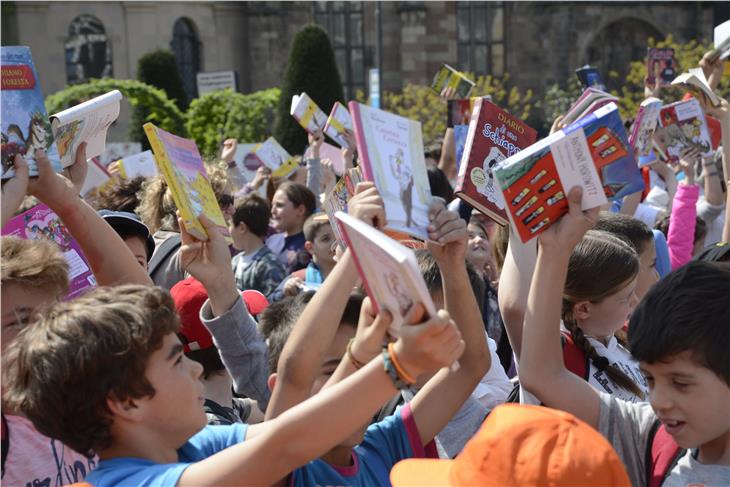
(362, 148)
(637, 126)
(466, 155)
(368, 291)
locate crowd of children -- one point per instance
(264, 362)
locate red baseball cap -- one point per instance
(189, 296)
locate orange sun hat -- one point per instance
(522, 445)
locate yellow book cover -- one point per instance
(179, 162)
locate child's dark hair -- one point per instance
(432, 276)
(700, 227)
(299, 195)
(600, 265)
(254, 211)
(313, 225)
(687, 310)
(634, 232)
(122, 195)
(61, 371)
(440, 185)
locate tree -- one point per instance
(159, 69)
(311, 69)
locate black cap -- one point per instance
(719, 252)
(126, 223)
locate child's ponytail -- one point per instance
(600, 265)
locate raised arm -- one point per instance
(14, 189)
(109, 257)
(542, 371)
(683, 219)
(722, 113)
(442, 396)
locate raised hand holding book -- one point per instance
(307, 113)
(338, 123)
(276, 158)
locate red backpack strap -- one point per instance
(662, 454)
(574, 358)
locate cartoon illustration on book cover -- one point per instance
(677, 133)
(396, 290)
(483, 177)
(403, 174)
(66, 136)
(25, 127)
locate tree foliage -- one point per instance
(311, 69)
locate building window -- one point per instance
(343, 21)
(186, 47)
(480, 28)
(88, 51)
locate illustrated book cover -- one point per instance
(663, 57)
(683, 124)
(276, 158)
(644, 126)
(448, 77)
(338, 123)
(307, 113)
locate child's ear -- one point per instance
(302, 210)
(308, 246)
(582, 310)
(126, 410)
(271, 382)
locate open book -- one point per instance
(593, 153)
(179, 162)
(664, 58)
(722, 42)
(388, 270)
(494, 135)
(591, 100)
(276, 158)
(644, 126)
(682, 125)
(87, 122)
(695, 82)
(307, 113)
(448, 77)
(337, 123)
(142, 164)
(41, 223)
(391, 155)
(25, 125)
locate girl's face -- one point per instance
(284, 215)
(602, 319)
(648, 274)
(478, 252)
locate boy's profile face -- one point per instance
(138, 246)
(19, 303)
(691, 401)
(175, 411)
(648, 275)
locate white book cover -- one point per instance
(644, 126)
(142, 164)
(119, 150)
(337, 123)
(307, 113)
(388, 269)
(391, 155)
(276, 158)
(87, 122)
(694, 80)
(246, 160)
(721, 40)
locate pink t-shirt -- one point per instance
(36, 460)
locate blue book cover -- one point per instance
(460, 133)
(25, 126)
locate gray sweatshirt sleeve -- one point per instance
(314, 176)
(708, 212)
(242, 350)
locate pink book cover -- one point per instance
(40, 222)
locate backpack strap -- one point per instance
(5, 443)
(168, 246)
(574, 358)
(662, 454)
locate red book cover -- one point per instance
(494, 135)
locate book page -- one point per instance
(87, 122)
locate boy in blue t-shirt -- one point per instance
(106, 374)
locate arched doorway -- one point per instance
(88, 51)
(186, 47)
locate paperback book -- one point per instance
(41, 223)
(142, 164)
(591, 100)
(593, 153)
(87, 122)
(589, 77)
(391, 155)
(276, 158)
(338, 123)
(246, 160)
(179, 162)
(695, 83)
(388, 270)
(722, 43)
(25, 127)
(307, 113)
(682, 124)
(644, 126)
(336, 201)
(663, 58)
(448, 77)
(460, 133)
(494, 135)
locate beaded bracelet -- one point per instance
(398, 367)
(355, 362)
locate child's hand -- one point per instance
(293, 286)
(557, 124)
(565, 234)
(430, 345)
(371, 332)
(653, 90)
(315, 142)
(712, 70)
(688, 159)
(721, 113)
(348, 153)
(367, 205)
(210, 261)
(448, 230)
(228, 150)
(14, 189)
(51, 188)
(263, 174)
(448, 94)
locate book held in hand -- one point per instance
(246, 160)
(338, 123)
(25, 124)
(589, 101)
(87, 122)
(448, 77)
(41, 223)
(307, 113)
(142, 164)
(683, 125)
(593, 153)
(391, 155)
(721, 40)
(336, 201)
(388, 270)
(276, 158)
(493, 136)
(663, 58)
(695, 82)
(179, 162)
(644, 127)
